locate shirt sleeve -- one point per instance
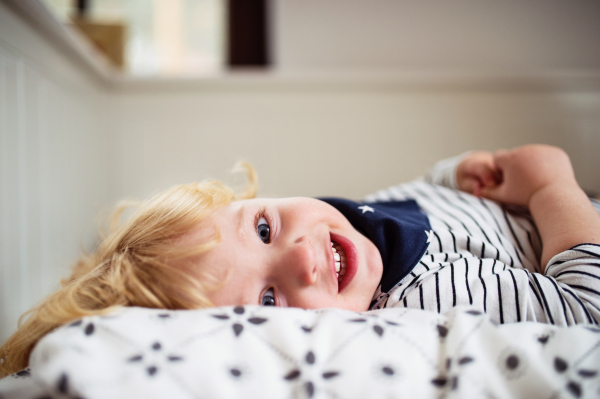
(570, 289)
(482, 255)
(443, 173)
(568, 294)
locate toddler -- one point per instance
(446, 249)
(424, 244)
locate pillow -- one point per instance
(254, 351)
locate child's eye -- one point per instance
(263, 230)
(268, 298)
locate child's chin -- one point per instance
(356, 305)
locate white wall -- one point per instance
(509, 35)
(369, 93)
(317, 141)
(52, 166)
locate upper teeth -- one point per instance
(340, 259)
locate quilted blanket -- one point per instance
(252, 351)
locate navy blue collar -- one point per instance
(397, 228)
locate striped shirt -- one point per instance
(487, 255)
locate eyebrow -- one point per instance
(242, 218)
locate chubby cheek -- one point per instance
(328, 214)
(358, 299)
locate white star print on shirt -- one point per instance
(366, 208)
(429, 235)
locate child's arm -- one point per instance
(443, 173)
(541, 178)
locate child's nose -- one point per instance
(302, 261)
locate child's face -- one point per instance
(279, 252)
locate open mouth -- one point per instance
(346, 266)
(339, 257)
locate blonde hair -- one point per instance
(133, 266)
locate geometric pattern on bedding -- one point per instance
(252, 351)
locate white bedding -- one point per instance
(271, 352)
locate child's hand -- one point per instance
(541, 178)
(476, 172)
(528, 170)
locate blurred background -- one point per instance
(106, 99)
